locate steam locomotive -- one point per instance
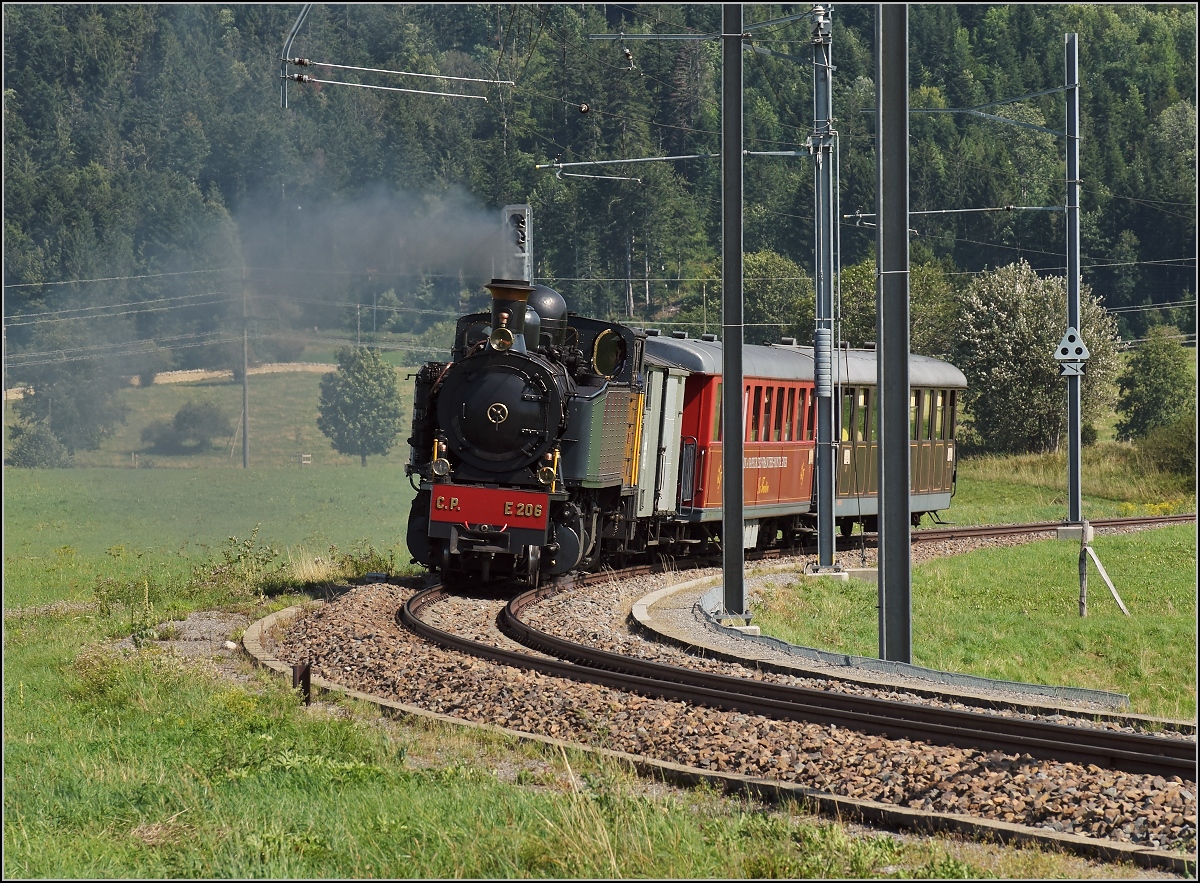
(551, 443)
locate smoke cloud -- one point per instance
(384, 234)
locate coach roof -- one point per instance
(779, 362)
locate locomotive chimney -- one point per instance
(509, 300)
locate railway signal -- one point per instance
(518, 242)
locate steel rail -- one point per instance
(894, 720)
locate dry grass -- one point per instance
(1111, 470)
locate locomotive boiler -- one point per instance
(550, 443)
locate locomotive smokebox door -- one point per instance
(498, 412)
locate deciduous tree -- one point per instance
(1010, 321)
(1156, 385)
(360, 408)
(33, 446)
(75, 397)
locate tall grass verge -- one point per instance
(140, 764)
(1111, 471)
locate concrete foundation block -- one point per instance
(866, 574)
(1074, 533)
(746, 629)
(829, 574)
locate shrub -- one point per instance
(196, 423)
(1156, 386)
(33, 446)
(193, 428)
(280, 348)
(1010, 322)
(1172, 448)
(160, 435)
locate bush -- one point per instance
(1010, 322)
(33, 446)
(279, 348)
(160, 435)
(1172, 448)
(197, 423)
(193, 428)
(1157, 386)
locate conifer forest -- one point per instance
(158, 194)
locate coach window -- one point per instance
(939, 414)
(874, 418)
(768, 399)
(716, 433)
(926, 413)
(952, 413)
(810, 411)
(914, 401)
(756, 428)
(860, 416)
(789, 416)
(746, 415)
(847, 412)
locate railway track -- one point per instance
(935, 534)
(1130, 752)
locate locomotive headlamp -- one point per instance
(546, 475)
(441, 467)
(501, 339)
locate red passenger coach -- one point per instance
(780, 430)
(778, 435)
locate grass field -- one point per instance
(283, 424)
(1011, 613)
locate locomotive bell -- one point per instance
(510, 299)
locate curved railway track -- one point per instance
(397, 646)
(1130, 752)
(1109, 749)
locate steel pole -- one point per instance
(1074, 407)
(733, 555)
(245, 381)
(821, 147)
(892, 332)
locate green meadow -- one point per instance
(1012, 613)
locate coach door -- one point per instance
(941, 440)
(931, 418)
(856, 452)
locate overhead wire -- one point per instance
(121, 278)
